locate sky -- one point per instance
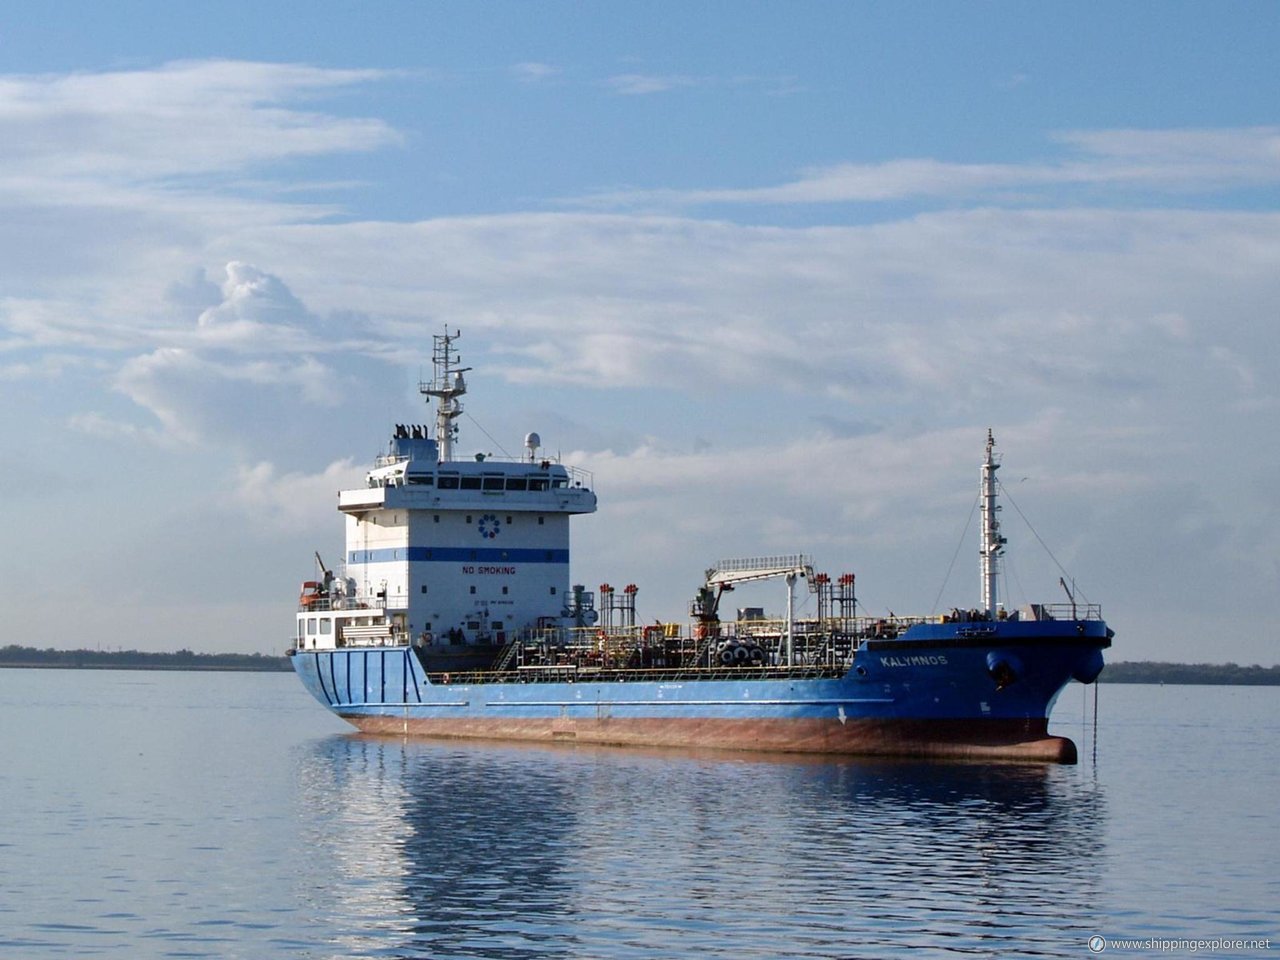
(769, 271)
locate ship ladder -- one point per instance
(508, 652)
(704, 650)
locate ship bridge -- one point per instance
(457, 554)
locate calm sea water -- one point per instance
(228, 815)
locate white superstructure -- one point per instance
(452, 554)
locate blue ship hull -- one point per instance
(963, 690)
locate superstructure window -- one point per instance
(326, 626)
(470, 483)
(493, 483)
(448, 481)
(517, 483)
(538, 483)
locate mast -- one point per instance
(447, 385)
(992, 546)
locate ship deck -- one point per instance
(568, 673)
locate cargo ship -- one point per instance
(453, 615)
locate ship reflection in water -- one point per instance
(482, 850)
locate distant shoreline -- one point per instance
(1151, 671)
(1139, 671)
(174, 668)
(32, 659)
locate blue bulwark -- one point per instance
(457, 555)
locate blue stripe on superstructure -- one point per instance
(458, 555)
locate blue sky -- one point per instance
(769, 270)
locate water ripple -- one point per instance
(510, 852)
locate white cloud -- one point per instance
(294, 500)
(534, 72)
(1166, 160)
(637, 84)
(256, 371)
(967, 306)
(186, 118)
(127, 175)
(641, 84)
(193, 396)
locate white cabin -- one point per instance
(449, 553)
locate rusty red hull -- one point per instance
(991, 739)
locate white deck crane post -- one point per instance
(728, 573)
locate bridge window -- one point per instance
(448, 481)
(517, 483)
(493, 483)
(538, 483)
(470, 483)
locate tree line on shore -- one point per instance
(16, 656)
(1152, 671)
(1142, 671)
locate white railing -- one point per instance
(790, 561)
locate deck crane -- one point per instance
(727, 574)
(316, 593)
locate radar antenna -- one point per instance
(447, 385)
